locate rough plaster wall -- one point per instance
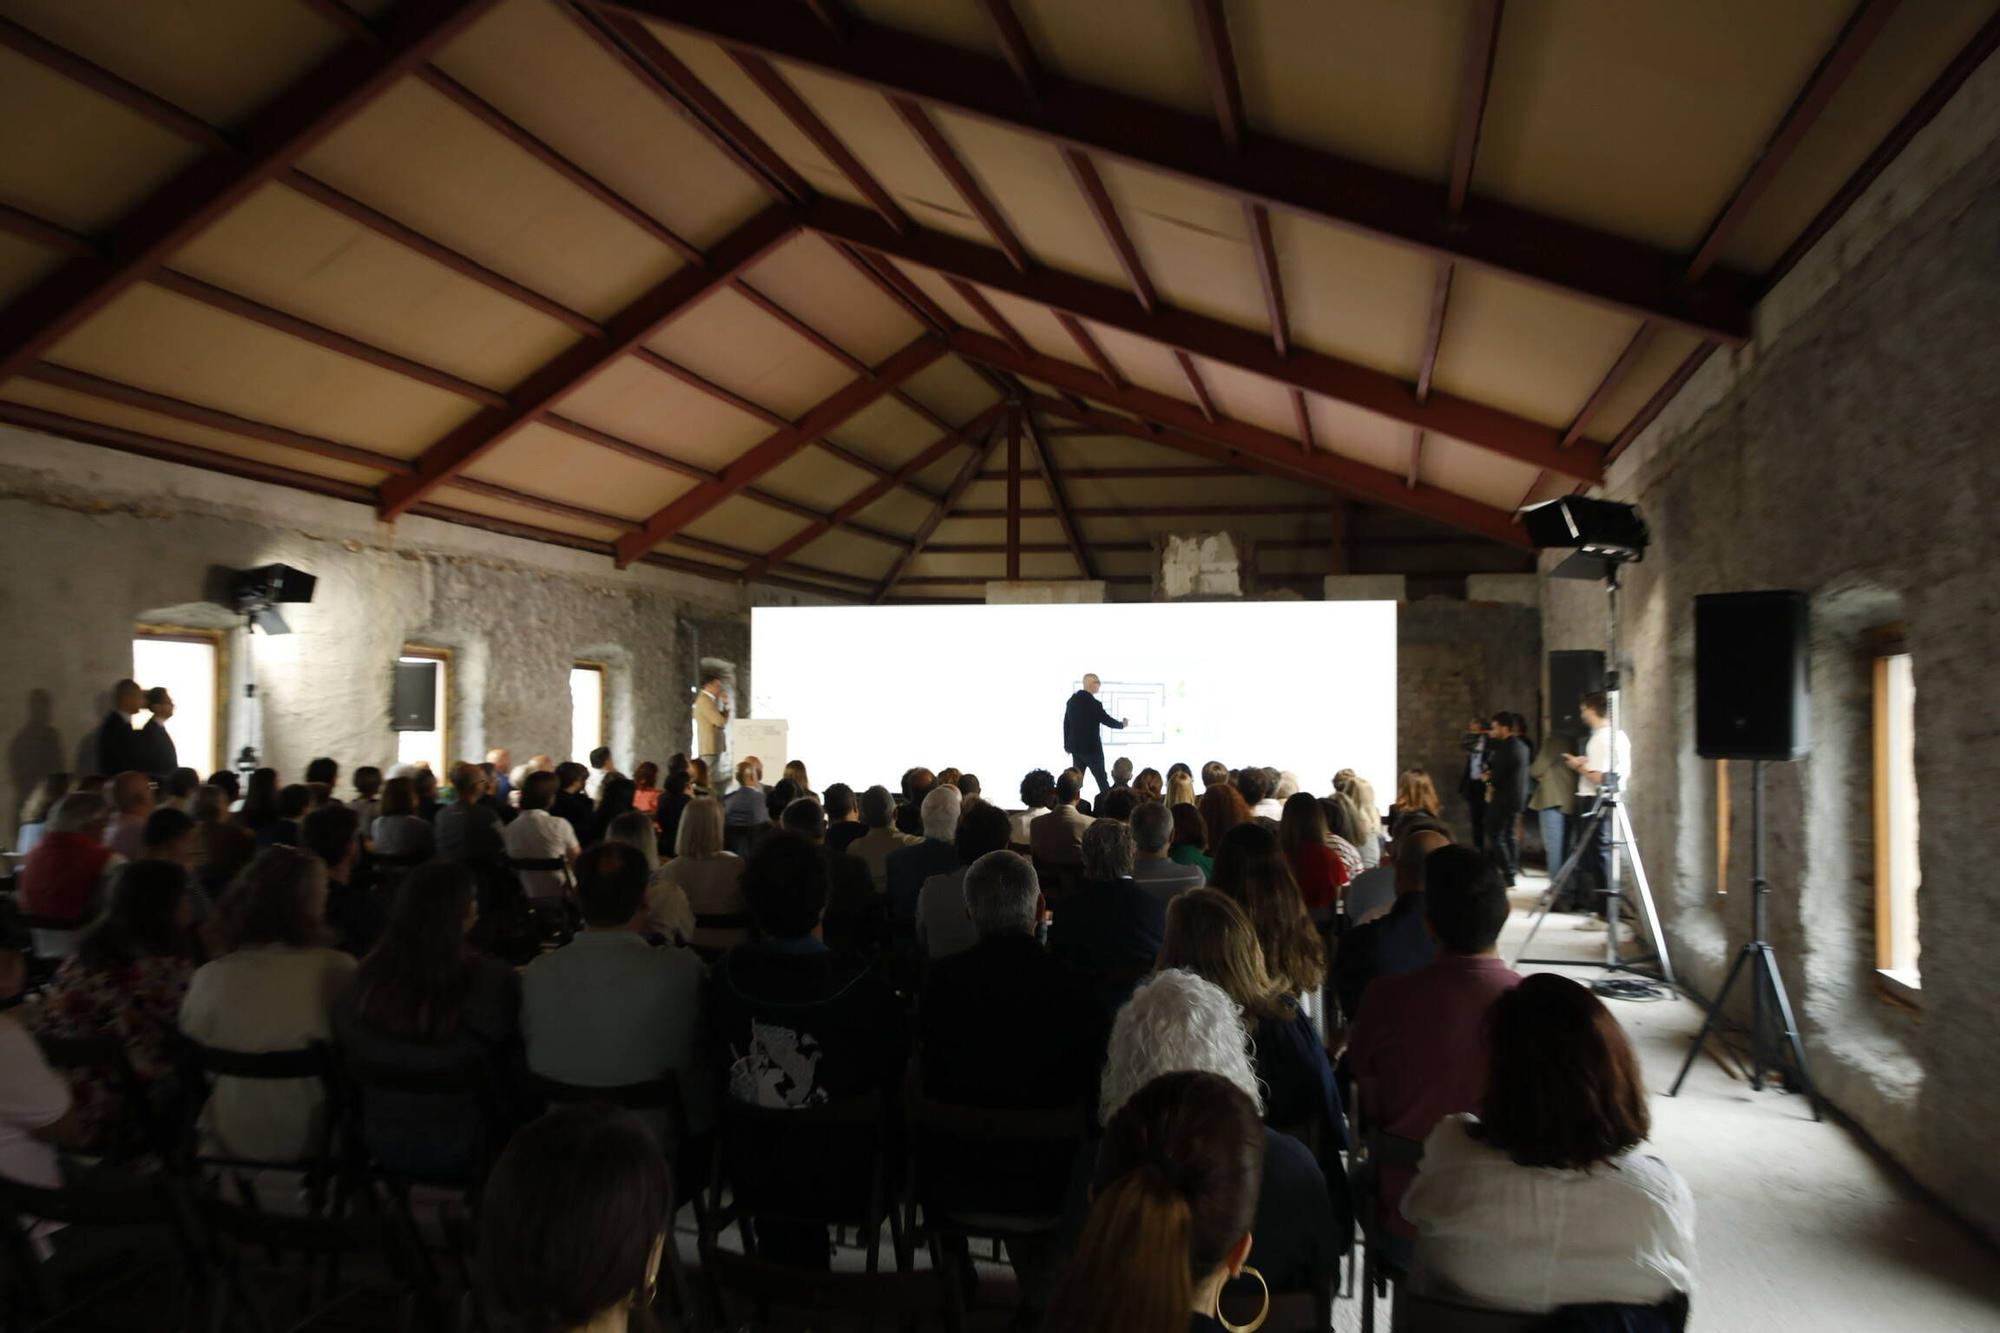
(1852, 451)
(95, 540)
(1454, 661)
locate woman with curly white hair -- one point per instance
(1177, 1021)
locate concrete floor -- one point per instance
(1800, 1226)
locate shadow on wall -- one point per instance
(36, 749)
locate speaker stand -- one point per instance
(1766, 1048)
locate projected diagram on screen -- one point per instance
(1142, 705)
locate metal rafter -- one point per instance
(1045, 461)
(1239, 437)
(989, 314)
(962, 180)
(937, 515)
(1113, 227)
(1013, 490)
(1218, 58)
(311, 108)
(774, 449)
(1090, 347)
(1265, 251)
(773, 85)
(1019, 51)
(576, 364)
(1212, 340)
(1610, 269)
(1194, 381)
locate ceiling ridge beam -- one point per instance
(875, 490)
(577, 364)
(1213, 339)
(1052, 480)
(296, 120)
(824, 416)
(1609, 269)
(952, 494)
(1250, 442)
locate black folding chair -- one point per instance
(142, 1127)
(555, 917)
(248, 1247)
(1384, 1151)
(751, 1290)
(763, 1155)
(947, 1144)
(146, 1219)
(200, 1065)
(1417, 1312)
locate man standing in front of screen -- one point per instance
(1081, 719)
(711, 715)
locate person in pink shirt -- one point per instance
(1419, 1052)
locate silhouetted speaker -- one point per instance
(1751, 697)
(413, 706)
(1573, 673)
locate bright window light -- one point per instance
(427, 747)
(1896, 871)
(586, 710)
(187, 667)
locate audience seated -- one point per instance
(126, 979)
(467, 829)
(1056, 838)
(36, 1115)
(222, 846)
(289, 808)
(944, 925)
(1190, 844)
(674, 798)
(1174, 1211)
(1038, 796)
(843, 817)
(64, 878)
(646, 787)
(538, 834)
(1360, 793)
(968, 789)
(276, 990)
(399, 830)
(1180, 787)
(575, 1225)
(1178, 1022)
(1208, 935)
(424, 1001)
(1317, 868)
(353, 916)
(1257, 787)
(367, 802)
(878, 812)
(1109, 930)
(1545, 1199)
(1419, 1051)
(916, 784)
(614, 798)
(174, 837)
(1396, 941)
(1222, 809)
(710, 877)
(1416, 794)
(779, 795)
(35, 808)
(854, 917)
(1153, 866)
(747, 807)
(1117, 804)
(668, 913)
(1148, 786)
(608, 1009)
(906, 868)
(572, 804)
(131, 797)
(601, 770)
(1252, 870)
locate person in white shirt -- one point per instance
(537, 835)
(1602, 753)
(1038, 794)
(367, 802)
(1545, 1199)
(35, 1110)
(275, 991)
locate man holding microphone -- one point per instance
(711, 715)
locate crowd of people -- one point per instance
(1243, 988)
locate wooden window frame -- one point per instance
(603, 670)
(218, 639)
(1885, 643)
(441, 655)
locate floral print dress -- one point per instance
(137, 1003)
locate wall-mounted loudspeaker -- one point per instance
(1573, 673)
(413, 702)
(1751, 698)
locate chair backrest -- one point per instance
(142, 1125)
(751, 1287)
(985, 1124)
(658, 1094)
(200, 1065)
(1418, 1313)
(835, 1150)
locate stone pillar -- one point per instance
(1366, 588)
(1201, 566)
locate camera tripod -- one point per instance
(1607, 825)
(1764, 978)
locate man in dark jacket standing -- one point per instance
(1507, 784)
(118, 747)
(1081, 720)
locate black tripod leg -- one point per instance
(1714, 1014)
(1769, 961)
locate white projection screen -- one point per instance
(1304, 687)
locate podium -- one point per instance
(766, 738)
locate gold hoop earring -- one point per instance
(1262, 1314)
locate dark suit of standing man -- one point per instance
(118, 746)
(1472, 782)
(1081, 720)
(1507, 762)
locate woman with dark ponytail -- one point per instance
(1178, 1173)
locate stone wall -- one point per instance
(1852, 451)
(96, 541)
(1456, 661)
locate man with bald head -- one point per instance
(1082, 717)
(1398, 940)
(118, 745)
